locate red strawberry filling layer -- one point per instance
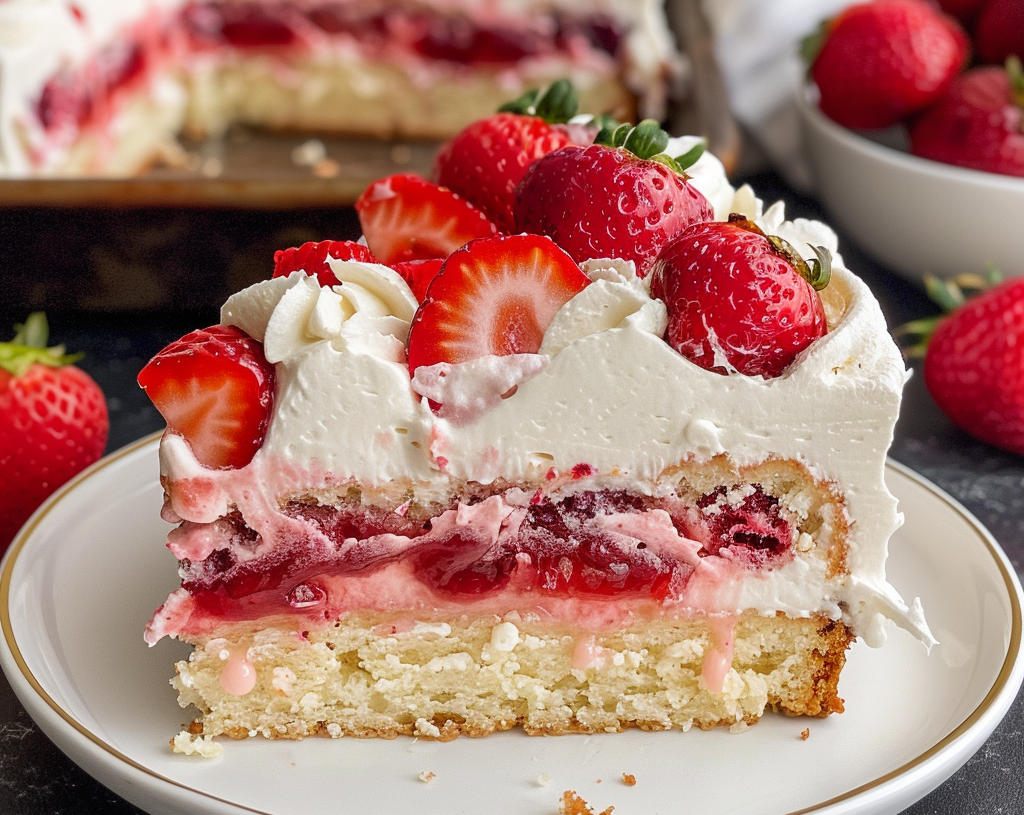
(590, 545)
(76, 98)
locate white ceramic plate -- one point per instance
(81, 580)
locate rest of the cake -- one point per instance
(514, 499)
(99, 87)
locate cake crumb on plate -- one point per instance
(572, 804)
(191, 744)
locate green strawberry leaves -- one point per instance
(29, 347)
(648, 141)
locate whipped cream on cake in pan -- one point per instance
(605, 393)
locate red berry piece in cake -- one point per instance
(311, 258)
(405, 217)
(748, 525)
(979, 123)
(877, 63)
(486, 161)
(999, 31)
(215, 388)
(53, 422)
(738, 299)
(620, 197)
(493, 296)
(418, 274)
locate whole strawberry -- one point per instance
(738, 299)
(979, 123)
(53, 422)
(974, 366)
(876, 63)
(999, 31)
(312, 259)
(486, 161)
(620, 197)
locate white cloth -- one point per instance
(757, 44)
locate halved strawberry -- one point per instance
(419, 274)
(215, 388)
(493, 296)
(485, 162)
(312, 259)
(405, 217)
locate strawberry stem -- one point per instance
(29, 347)
(949, 296)
(1015, 72)
(648, 141)
(818, 272)
(810, 46)
(555, 104)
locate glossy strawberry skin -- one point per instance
(312, 258)
(734, 301)
(976, 125)
(603, 202)
(485, 162)
(419, 274)
(53, 424)
(405, 217)
(215, 388)
(493, 296)
(974, 367)
(883, 61)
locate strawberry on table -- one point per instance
(486, 161)
(979, 123)
(405, 217)
(312, 259)
(738, 299)
(621, 197)
(876, 63)
(974, 359)
(493, 296)
(53, 422)
(215, 388)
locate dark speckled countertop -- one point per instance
(120, 284)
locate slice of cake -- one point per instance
(506, 486)
(99, 87)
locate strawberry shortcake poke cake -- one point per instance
(596, 442)
(101, 87)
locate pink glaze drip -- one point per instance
(238, 676)
(718, 659)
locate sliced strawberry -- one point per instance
(405, 218)
(311, 258)
(418, 274)
(494, 296)
(215, 388)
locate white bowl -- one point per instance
(913, 215)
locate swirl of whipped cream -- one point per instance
(369, 312)
(616, 298)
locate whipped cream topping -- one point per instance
(605, 392)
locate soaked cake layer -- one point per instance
(604, 554)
